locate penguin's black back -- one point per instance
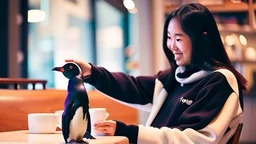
(77, 92)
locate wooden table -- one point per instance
(25, 137)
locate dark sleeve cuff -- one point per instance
(130, 131)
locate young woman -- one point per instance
(198, 100)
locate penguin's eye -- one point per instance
(70, 67)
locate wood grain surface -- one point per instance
(15, 105)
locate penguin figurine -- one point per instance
(76, 122)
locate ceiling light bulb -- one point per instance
(36, 16)
(129, 4)
(243, 40)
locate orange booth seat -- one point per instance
(15, 105)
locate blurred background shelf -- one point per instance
(229, 6)
(243, 61)
(236, 28)
(213, 6)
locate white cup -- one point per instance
(42, 122)
(97, 115)
(59, 118)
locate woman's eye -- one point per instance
(168, 37)
(178, 39)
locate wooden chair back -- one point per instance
(235, 138)
(15, 105)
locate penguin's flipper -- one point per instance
(89, 129)
(66, 117)
(73, 109)
(88, 135)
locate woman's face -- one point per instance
(179, 43)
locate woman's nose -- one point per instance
(172, 46)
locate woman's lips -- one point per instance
(177, 56)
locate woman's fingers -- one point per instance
(105, 127)
(75, 61)
(105, 123)
(104, 130)
(69, 60)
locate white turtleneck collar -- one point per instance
(192, 78)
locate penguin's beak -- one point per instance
(60, 69)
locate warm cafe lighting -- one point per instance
(129, 4)
(236, 1)
(229, 40)
(250, 54)
(35, 16)
(243, 40)
(133, 11)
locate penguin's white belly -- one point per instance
(78, 125)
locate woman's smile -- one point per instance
(178, 56)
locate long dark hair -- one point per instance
(208, 52)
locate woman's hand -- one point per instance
(107, 128)
(86, 67)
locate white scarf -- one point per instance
(192, 78)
